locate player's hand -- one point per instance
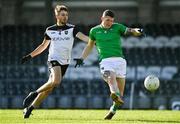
(79, 62)
(25, 59)
(138, 32)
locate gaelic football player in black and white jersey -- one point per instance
(60, 39)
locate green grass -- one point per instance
(63, 116)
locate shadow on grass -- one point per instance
(158, 121)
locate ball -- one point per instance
(151, 83)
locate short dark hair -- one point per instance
(59, 8)
(108, 13)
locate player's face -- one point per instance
(62, 17)
(107, 21)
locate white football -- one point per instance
(151, 83)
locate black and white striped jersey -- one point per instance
(61, 42)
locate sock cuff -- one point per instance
(118, 93)
(112, 109)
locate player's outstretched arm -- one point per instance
(82, 37)
(36, 52)
(85, 53)
(87, 49)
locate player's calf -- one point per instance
(29, 99)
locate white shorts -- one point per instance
(114, 64)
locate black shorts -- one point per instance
(56, 63)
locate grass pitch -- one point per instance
(44, 116)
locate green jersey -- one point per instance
(108, 41)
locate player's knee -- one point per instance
(48, 91)
(111, 79)
(108, 76)
(56, 83)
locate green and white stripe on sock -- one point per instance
(114, 107)
(118, 94)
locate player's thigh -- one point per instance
(106, 68)
(47, 91)
(120, 80)
(107, 71)
(120, 68)
(56, 75)
(108, 76)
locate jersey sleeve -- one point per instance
(75, 31)
(46, 36)
(92, 35)
(122, 28)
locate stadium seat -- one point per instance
(95, 88)
(172, 45)
(154, 70)
(168, 72)
(177, 75)
(130, 73)
(80, 102)
(65, 88)
(95, 102)
(108, 102)
(64, 101)
(158, 44)
(160, 101)
(162, 39)
(133, 41)
(176, 40)
(148, 40)
(141, 72)
(95, 72)
(175, 98)
(17, 102)
(49, 102)
(144, 102)
(4, 102)
(142, 44)
(126, 102)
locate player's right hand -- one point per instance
(79, 62)
(25, 58)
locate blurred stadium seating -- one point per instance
(158, 54)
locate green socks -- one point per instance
(114, 107)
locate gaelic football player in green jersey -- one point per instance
(107, 37)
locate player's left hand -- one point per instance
(138, 32)
(79, 62)
(25, 59)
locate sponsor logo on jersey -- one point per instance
(60, 38)
(53, 32)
